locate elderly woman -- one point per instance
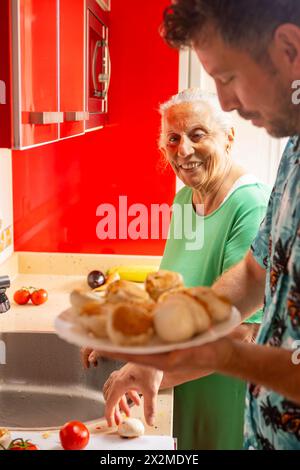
(197, 139)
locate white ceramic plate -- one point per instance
(75, 334)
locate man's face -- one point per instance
(260, 94)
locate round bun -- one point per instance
(130, 324)
(82, 300)
(161, 281)
(126, 291)
(218, 307)
(91, 312)
(180, 317)
(170, 292)
(131, 427)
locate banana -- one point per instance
(133, 273)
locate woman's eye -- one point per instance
(197, 137)
(173, 140)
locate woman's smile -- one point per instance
(189, 167)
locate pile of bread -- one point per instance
(132, 315)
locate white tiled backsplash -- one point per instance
(6, 205)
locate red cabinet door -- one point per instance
(5, 76)
(37, 75)
(98, 65)
(72, 67)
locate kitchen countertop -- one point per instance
(59, 274)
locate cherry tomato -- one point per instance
(39, 296)
(74, 436)
(22, 296)
(20, 444)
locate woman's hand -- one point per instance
(89, 356)
(131, 380)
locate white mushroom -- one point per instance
(131, 427)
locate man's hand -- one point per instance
(188, 361)
(131, 379)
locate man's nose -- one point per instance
(185, 147)
(227, 97)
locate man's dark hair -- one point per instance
(246, 24)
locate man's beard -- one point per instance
(287, 123)
(286, 120)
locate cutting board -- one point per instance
(50, 441)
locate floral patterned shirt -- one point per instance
(272, 421)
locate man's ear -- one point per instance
(285, 49)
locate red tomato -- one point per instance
(20, 444)
(74, 436)
(22, 296)
(39, 297)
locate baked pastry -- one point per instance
(180, 317)
(131, 427)
(161, 281)
(91, 312)
(82, 300)
(218, 307)
(126, 291)
(167, 293)
(5, 438)
(130, 324)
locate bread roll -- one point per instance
(91, 312)
(130, 324)
(126, 291)
(179, 317)
(162, 281)
(218, 307)
(82, 300)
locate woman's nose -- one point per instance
(185, 147)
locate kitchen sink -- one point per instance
(43, 384)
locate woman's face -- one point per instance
(195, 145)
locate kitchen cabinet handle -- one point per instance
(74, 116)
(102, 77)
(46, 117)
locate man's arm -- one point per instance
(245, 332)
(277, 369)
(243, 285)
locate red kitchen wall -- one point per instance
(58, 187)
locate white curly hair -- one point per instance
(196, 95)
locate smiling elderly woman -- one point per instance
(196, 139)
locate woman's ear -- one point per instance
(164, 162)
(163, 152)
(231, 135)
